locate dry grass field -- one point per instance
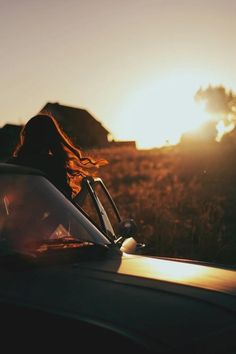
(183, 200)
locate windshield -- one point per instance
(33, 213)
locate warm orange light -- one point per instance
(196, 275)
(179, 271)
(163, 269)
(160, 111)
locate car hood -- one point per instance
(204, 276)
(168, 305)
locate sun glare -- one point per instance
(160, 111)
(223, 129)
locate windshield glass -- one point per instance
(33, 213)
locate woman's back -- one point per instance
(50, 165)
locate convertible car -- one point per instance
(72, 278)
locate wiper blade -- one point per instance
(62, 250)
(64, 242)
(62, 239)
(68, 249)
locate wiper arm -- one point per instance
(64, 242)
(53, 251)
(69, 249)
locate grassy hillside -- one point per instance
(183, 200)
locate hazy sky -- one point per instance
(113, 57)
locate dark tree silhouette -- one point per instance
(220, 102)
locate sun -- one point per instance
(159, 111)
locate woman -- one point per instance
(44, 146)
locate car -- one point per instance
(72, 279)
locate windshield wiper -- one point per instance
(62, 243)
(69, 249)
(55, 251)
(62, 240)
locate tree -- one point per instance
(220, 102)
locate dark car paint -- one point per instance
(115, 302)
(159, 316)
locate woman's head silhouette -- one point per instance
(42, 137)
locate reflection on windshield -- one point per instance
(34, 214)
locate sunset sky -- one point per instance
(134, 64)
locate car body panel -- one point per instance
(202, 276)
(108, 293)
(165, 306)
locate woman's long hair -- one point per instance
(42, 135)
